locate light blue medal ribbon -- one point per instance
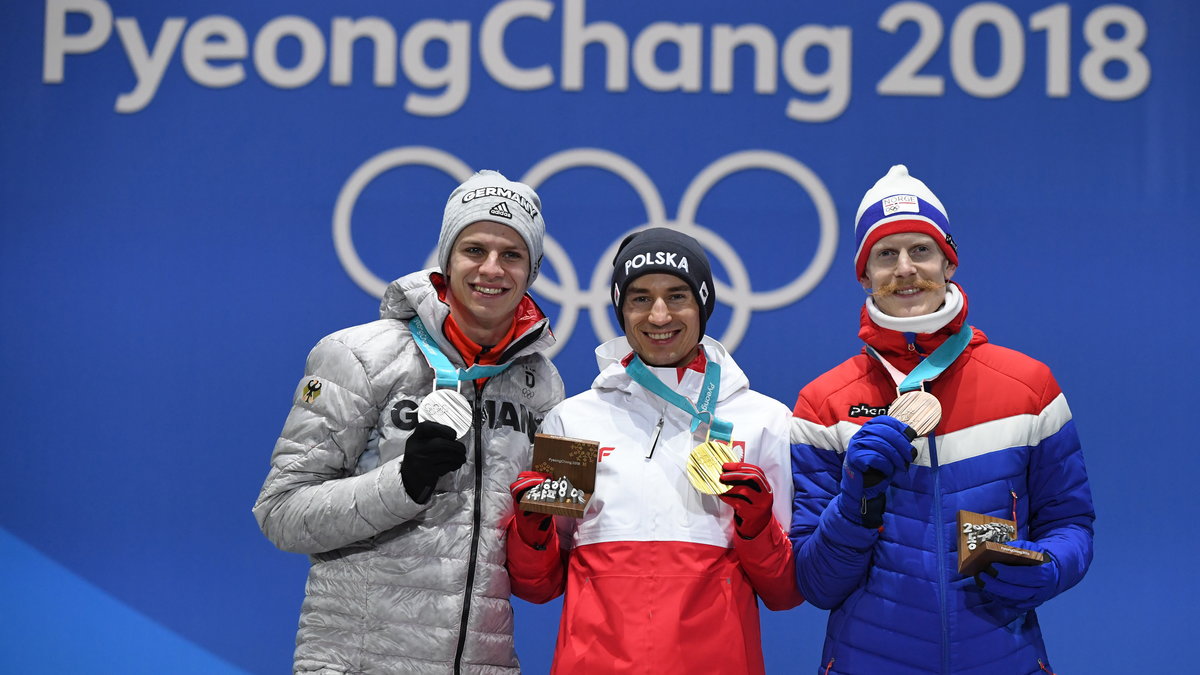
(447, 375)
(938, 361)
(701, 411)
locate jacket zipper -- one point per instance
(657, 432)
(475, 522)
(521, 343)
(911, 339)
(941, 558)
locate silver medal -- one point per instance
(446, 406)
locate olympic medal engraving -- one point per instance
(920, 410)
(446, 406)
(704, 466)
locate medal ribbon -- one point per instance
(447, 375)
(701, 411)
(932, 365)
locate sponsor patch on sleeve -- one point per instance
(311, 390)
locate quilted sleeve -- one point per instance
(538, 575)
(767, 558)
(556, 395)
(310, 502)
(832, 553)
(1060, 509)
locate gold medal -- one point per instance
(704, 466)
(920, 410)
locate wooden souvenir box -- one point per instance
(572, 458)
(970, 562)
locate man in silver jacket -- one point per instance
(403, 517)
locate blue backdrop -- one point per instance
(194, 192)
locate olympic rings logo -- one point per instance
(566, 292)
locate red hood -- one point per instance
(894, 345)
(526, 315)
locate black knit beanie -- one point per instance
(663, 251)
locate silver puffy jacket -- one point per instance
(396, 586)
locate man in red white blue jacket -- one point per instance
(875, 516)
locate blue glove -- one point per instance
(876, 452)
(1021, 587)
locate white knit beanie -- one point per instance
(900, 203)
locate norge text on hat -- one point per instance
(660, 250)
(488, 195)
(900, 203)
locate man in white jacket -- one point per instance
(402, 505)
(657, 576)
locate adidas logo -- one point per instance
(501, 210)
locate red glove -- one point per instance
(533, 528)
(750, 497)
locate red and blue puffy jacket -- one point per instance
(1006, 446)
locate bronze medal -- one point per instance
(446, 406)
(920, 410)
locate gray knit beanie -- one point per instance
(488, 195)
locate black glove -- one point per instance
(431, 452)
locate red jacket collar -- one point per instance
(896, 346)
(526, 315)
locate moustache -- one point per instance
(891, 288)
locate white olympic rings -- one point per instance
(566, 292)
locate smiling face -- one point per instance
(489, 274)
(662, 320)
(907, 274)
